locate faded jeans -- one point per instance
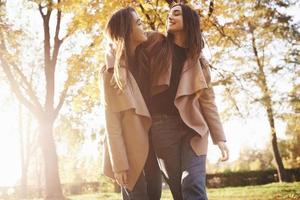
(183, 170)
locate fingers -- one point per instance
(121, 179)
(225, 153)
(118, 181)
(124, 177)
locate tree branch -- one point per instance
(61, 102)
(41, 11)
(49, 69)
(150, 22)
(259, 64)
(30, 90)
(211, 8)
(57, 41)
(35, 109)
(16, 90)
(220, 29)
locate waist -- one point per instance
(166, 118)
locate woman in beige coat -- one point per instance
(127, 158)
(182, 104)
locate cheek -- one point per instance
(138, 33)
(141, 32)
(180, 22)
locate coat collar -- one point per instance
(192, 79)
(130, 98)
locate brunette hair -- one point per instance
(118, 30)
(192, 29)
(160, 46)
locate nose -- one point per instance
(170, 17)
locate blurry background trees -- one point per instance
(50, 56)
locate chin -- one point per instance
(170, 30)
(143, 39)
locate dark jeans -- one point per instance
(149, 184)
(183, 170)
(139, 191)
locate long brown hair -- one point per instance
(160, 46)
(118, 30)
(192, 29)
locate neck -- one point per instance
(179, 39)
(132, 47)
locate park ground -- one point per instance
(274, 191)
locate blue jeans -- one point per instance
(149, 184)
(139, 191)
(183, 170)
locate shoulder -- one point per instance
(155, 36)
(205, 66)
(154, 42)
(110, 57)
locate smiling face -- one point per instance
(137, 34)
(175, 20)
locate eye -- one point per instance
(139, 22)
(176, 13)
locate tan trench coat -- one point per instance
(127, 126)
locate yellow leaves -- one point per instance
(76, 104)
(87, 96)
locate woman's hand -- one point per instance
(224, 150)
(121, 178)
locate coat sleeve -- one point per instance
(115, 141)
(209, 108)
(113, 127)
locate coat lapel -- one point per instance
(130, 98)
(192, 79)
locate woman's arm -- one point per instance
(208, 106)
(115, 141)
(113, 125)
(116, 147)
(210, 113)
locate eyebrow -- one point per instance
(174, 11)
(138, 20)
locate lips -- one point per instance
(171, 23)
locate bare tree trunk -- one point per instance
(23, 189)
(268, 106)
(53, 186)
(280, 167)
(46, 114)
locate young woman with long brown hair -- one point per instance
(128, 157)
(182, 104)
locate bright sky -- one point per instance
(252, 132)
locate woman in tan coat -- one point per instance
(128, 158)
(182, 104)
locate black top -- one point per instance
(163, 103)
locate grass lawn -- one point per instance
(274, 191)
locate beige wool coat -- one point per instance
(127, 126)
(195, 98)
